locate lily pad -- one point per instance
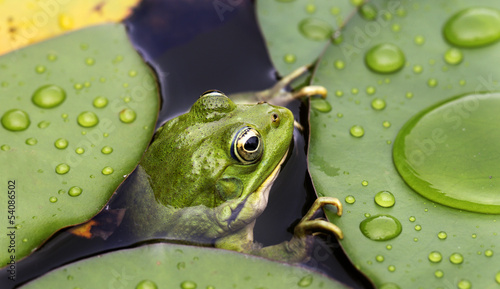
(25, 22)
(77, 113)
(404, 237)
(178, 266)
(297, 31)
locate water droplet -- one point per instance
(396, 27)
(473, 27)
(339, 64)
(52, 199)
(320, 105)
(75, 191)
(419, 40)
(417, 68)
(418, 227)
(380, 227)
(435, 257)
(87, 119)
(90, 61)
(339, 93)
(474, 236)
(379, 258)
(354, 90)
(427, 145)
(107, 170)
(453, 56)
(100, 102)
(310, 8)
(432, 82)
(62, 169)
(385, 58)
(31, 141)
(488, 253)
(412, 219)
(40, 69)
(386, 124)
(464, 284)
(51, 57)
(340, 115)
(127, 115)
(61, 192)
(391, 268)
(290, 58)
(497, 277)
(25, 240)
(305, 281)
(367, 215)
(350, 199)
(378, 104)
(65, 21)
(439, 274)
(364, 183)
(107, 150)
(357, 131)
(15, 120)
(315, 29)
(188, 285)
(385, 199)
(456, 258)
(48, 96)
(86, 84)
(409, 95)
(146, 284)
(368, 11)
(79, 150)
(442, 235)
(61, 143)
(370, 90)
(388, 247)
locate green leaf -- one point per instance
(77, 113)
(354, 130)
(297, 31)
(178, 266)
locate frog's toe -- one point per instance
(317, 226)
(311, 90)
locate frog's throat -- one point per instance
(254, 204)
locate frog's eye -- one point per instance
(247, 146)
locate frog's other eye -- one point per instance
(247, 146)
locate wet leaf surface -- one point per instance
(386, 74)
(177, 266)
(77, 113)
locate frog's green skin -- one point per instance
(193, 185)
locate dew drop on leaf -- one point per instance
(453, 136)
(385, 58)
(473, 27)
(380, 227)
(15, 120)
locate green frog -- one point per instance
(207, 175)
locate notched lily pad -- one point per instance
(77, 114)
(438, 109)
(178, 266)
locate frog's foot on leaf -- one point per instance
(308, 225)
(278, 94)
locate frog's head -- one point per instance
(220, 155)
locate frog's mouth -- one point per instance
(254, 204)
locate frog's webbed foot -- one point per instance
(308, 225)
(278, 94)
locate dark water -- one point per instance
(193, 47)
